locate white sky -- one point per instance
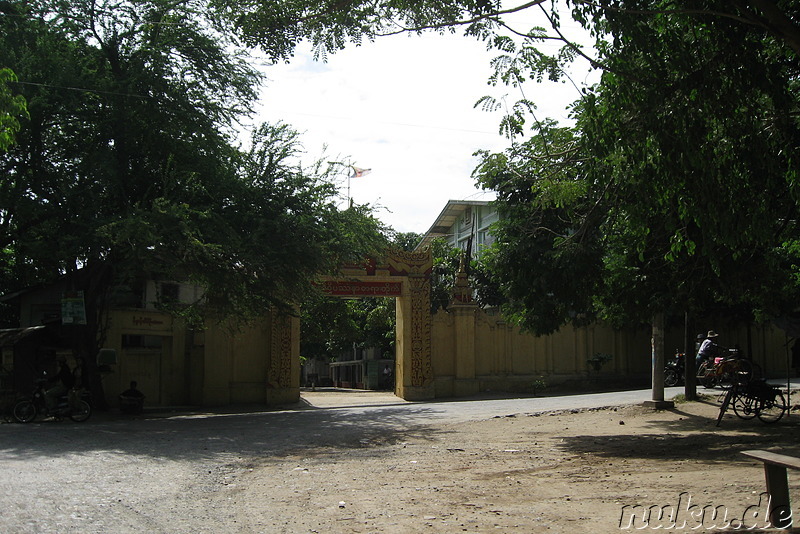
(403, 107)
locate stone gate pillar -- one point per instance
(414, 373)
(283, 373)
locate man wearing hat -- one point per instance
(709, 349)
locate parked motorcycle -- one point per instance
(674, 370)
(75, 405)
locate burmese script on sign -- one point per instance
(357, 288)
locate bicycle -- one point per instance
(754, 399)
(725, 372)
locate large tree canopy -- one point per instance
(676, 188)
(654, 198)
(128, 166)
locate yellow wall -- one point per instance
(471, 351)
(506, 359)
(255, 363)
(159, 371)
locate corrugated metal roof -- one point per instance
(444, 222)
(12, 336)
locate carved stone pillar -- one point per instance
(283, 375)
(413, 347)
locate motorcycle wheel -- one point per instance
(25, 411)
(671, 378)
(82, 412)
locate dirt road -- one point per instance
(382, 465)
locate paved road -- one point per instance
(472, 409)
(167, 472)
(485, 407)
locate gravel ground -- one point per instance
(369, 462)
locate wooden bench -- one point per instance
(775, 472)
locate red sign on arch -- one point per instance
(358, 288)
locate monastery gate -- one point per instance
(407, 277)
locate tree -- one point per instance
(277, 26)
(705, 136)
(545, 260)
(662, 180)
(128, 167)
(405, 240)
(633, 40)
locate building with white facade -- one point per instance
(460, 220)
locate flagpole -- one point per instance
(357, 173)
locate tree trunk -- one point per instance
(689, 365)
(657, 340)
(95, 281)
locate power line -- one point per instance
(82, 89)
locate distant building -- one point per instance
(460, 220)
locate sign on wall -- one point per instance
(73, 309)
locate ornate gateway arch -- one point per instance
(406, 276)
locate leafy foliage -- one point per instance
(677, 187)
(277, 26)
(333, 326)
(12, 108)
(545, 259)
(128, 169)
(699, 152)
(446, 262)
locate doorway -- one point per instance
(406, 277)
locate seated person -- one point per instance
(131, 400)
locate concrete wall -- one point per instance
(224, 364)
(473, 351)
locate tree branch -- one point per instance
(332, 9)
(487, 16)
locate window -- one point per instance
(466, 219)
(135, 341)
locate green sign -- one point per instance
(73, 310)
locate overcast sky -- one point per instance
(401, 106)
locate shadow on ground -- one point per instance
(689, 436)
(194, 436)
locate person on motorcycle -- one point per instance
(709, 349)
